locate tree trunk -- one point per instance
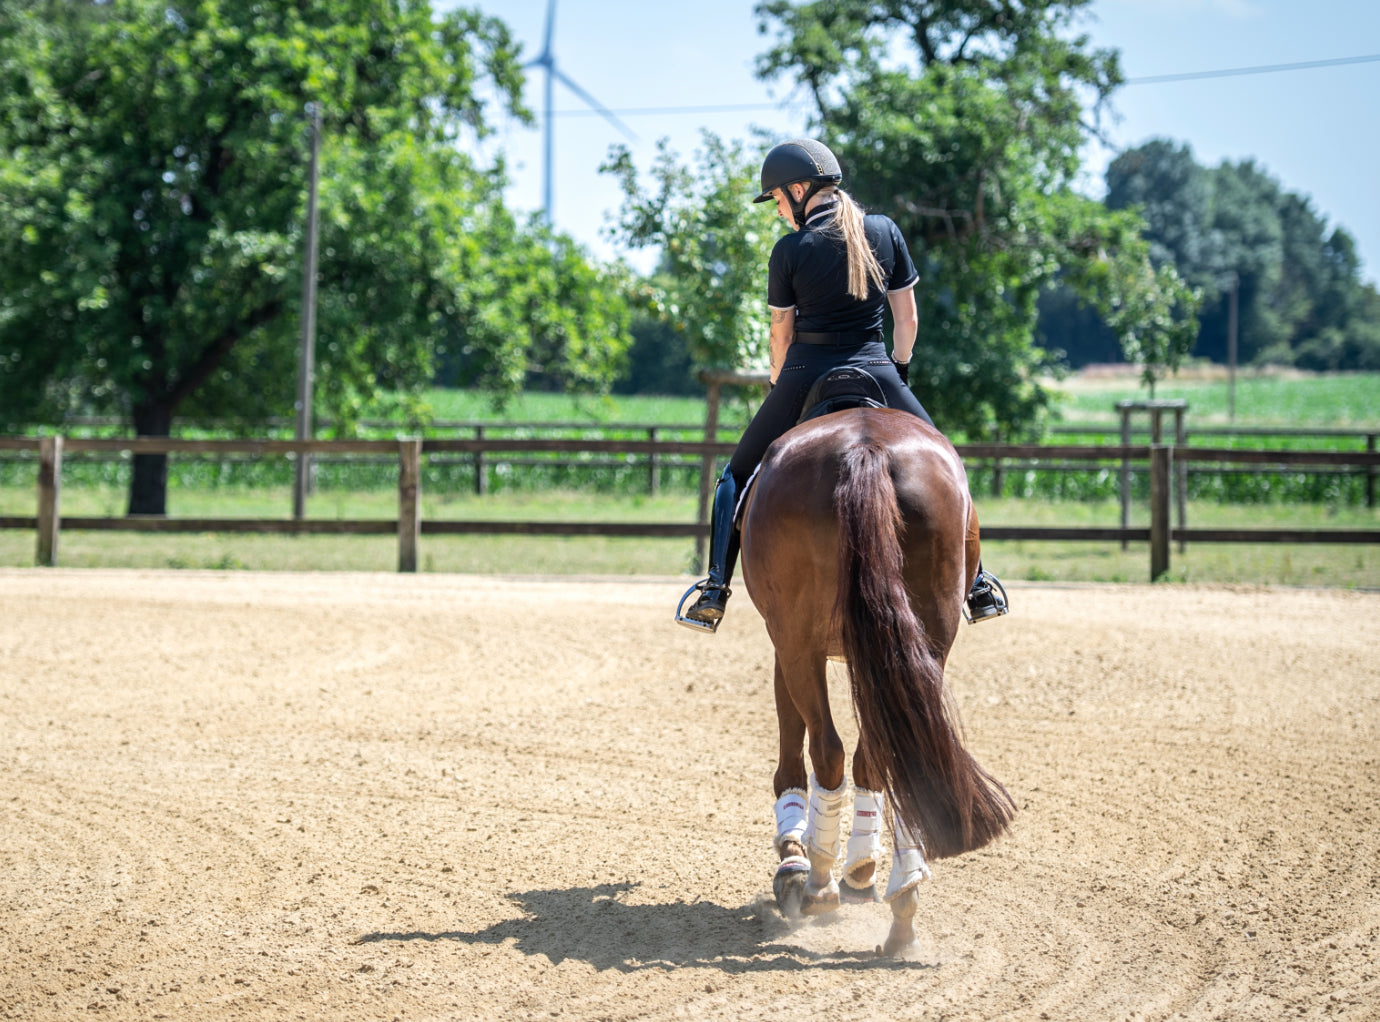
(148, 490)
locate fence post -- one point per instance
(1181, 477)
(1370, 472)
(409, 502)
(1161, 460)
(998, 475)
(653, 466)
(49, 494)
(707, 480)
(481, 484)
(1125, 410)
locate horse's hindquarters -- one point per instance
(854, 544)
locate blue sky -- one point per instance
(1316, 131)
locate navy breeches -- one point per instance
(806, 363)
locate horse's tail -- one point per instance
(910, 733)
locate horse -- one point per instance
(860, 542)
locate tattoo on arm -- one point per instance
(779, 315)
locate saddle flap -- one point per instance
(844, 387)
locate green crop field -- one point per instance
(1333, 401)
(1263, 399)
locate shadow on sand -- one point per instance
(594, 925)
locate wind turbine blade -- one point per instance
(607, 113)
(550, 28)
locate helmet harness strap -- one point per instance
(798, 208)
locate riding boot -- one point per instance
(708, 609)
(987, 597)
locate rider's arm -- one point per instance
(907, 318)
(782, 333)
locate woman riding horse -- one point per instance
(828, 284)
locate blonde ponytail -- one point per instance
(863, 268)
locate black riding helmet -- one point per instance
(801, 159)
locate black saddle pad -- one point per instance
(845, 387)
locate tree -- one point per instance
(1176, 196)
(1300, 295)
(963, 120)
(658, 361)
(711, 286)
(546, 315)
(153, 176)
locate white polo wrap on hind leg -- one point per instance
(908, 867)
(790, 817)
(826, 812)
(865, 836)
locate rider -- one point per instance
(828, 282)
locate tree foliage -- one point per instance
(153, 181)
(714, 241)
(1301, 297)
(963, 120)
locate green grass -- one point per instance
(1331, 565)
(276, 502)
(1341, 565)
(486, 555)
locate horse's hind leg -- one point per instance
(864, 855)
(908, 867)
(908, 870)
(792, 797)
(822, 841)
(903, 909)
(806, 844)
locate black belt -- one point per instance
(841, 337)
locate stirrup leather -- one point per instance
(699, 587)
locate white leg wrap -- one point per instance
(865, 838)
(907, 862)
(826, 809)
(790, 817)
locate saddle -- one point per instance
(838, 389)
(844, 387)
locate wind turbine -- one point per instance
(547, 62)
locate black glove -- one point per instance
(903, 371)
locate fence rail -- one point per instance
(507, 425)
(409, 525)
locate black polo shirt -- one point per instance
(809, 273)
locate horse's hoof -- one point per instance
(822, 901)
(861, 875)
(851, 895)
(901, 937)
(789, 886)
(903, 909)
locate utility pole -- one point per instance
(548, 141)
(1231, 346)
(307, 361)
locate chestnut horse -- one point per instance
(859, 542)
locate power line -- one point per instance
(1258, 70)
(661, 110)
(1187, 76)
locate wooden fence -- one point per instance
(410, 527)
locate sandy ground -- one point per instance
(236, 796)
